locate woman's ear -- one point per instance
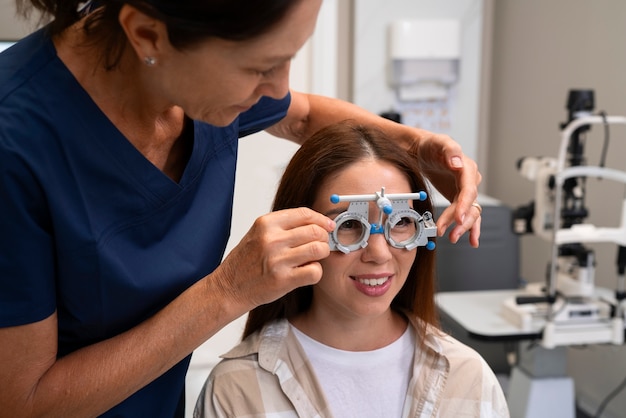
(146, 35)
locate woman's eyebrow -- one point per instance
(335, 211)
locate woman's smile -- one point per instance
(373, 286)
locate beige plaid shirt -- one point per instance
(268, 375)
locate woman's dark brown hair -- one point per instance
(325, 154)
(187, 21)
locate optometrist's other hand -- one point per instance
(278, 254)
(456, 177)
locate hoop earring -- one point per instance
(149, 61)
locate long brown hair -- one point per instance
(324, 154)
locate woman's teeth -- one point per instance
(373, 282)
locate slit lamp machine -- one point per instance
(572, 308)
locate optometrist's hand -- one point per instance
(456, 177)
(278, 254)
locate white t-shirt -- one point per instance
(363, 384)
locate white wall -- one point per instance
(370, 88)
(12, 28)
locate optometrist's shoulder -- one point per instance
(119, 124)
(323, 349)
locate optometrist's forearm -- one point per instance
(308, 113)
(92, 380)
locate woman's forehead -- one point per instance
(366, 177)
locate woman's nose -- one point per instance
(377, 249)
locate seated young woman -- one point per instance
(364, 341)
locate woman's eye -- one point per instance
(405, 223)
(347, 225)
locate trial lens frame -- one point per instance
(396, 207)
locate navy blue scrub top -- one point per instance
(89, 227)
